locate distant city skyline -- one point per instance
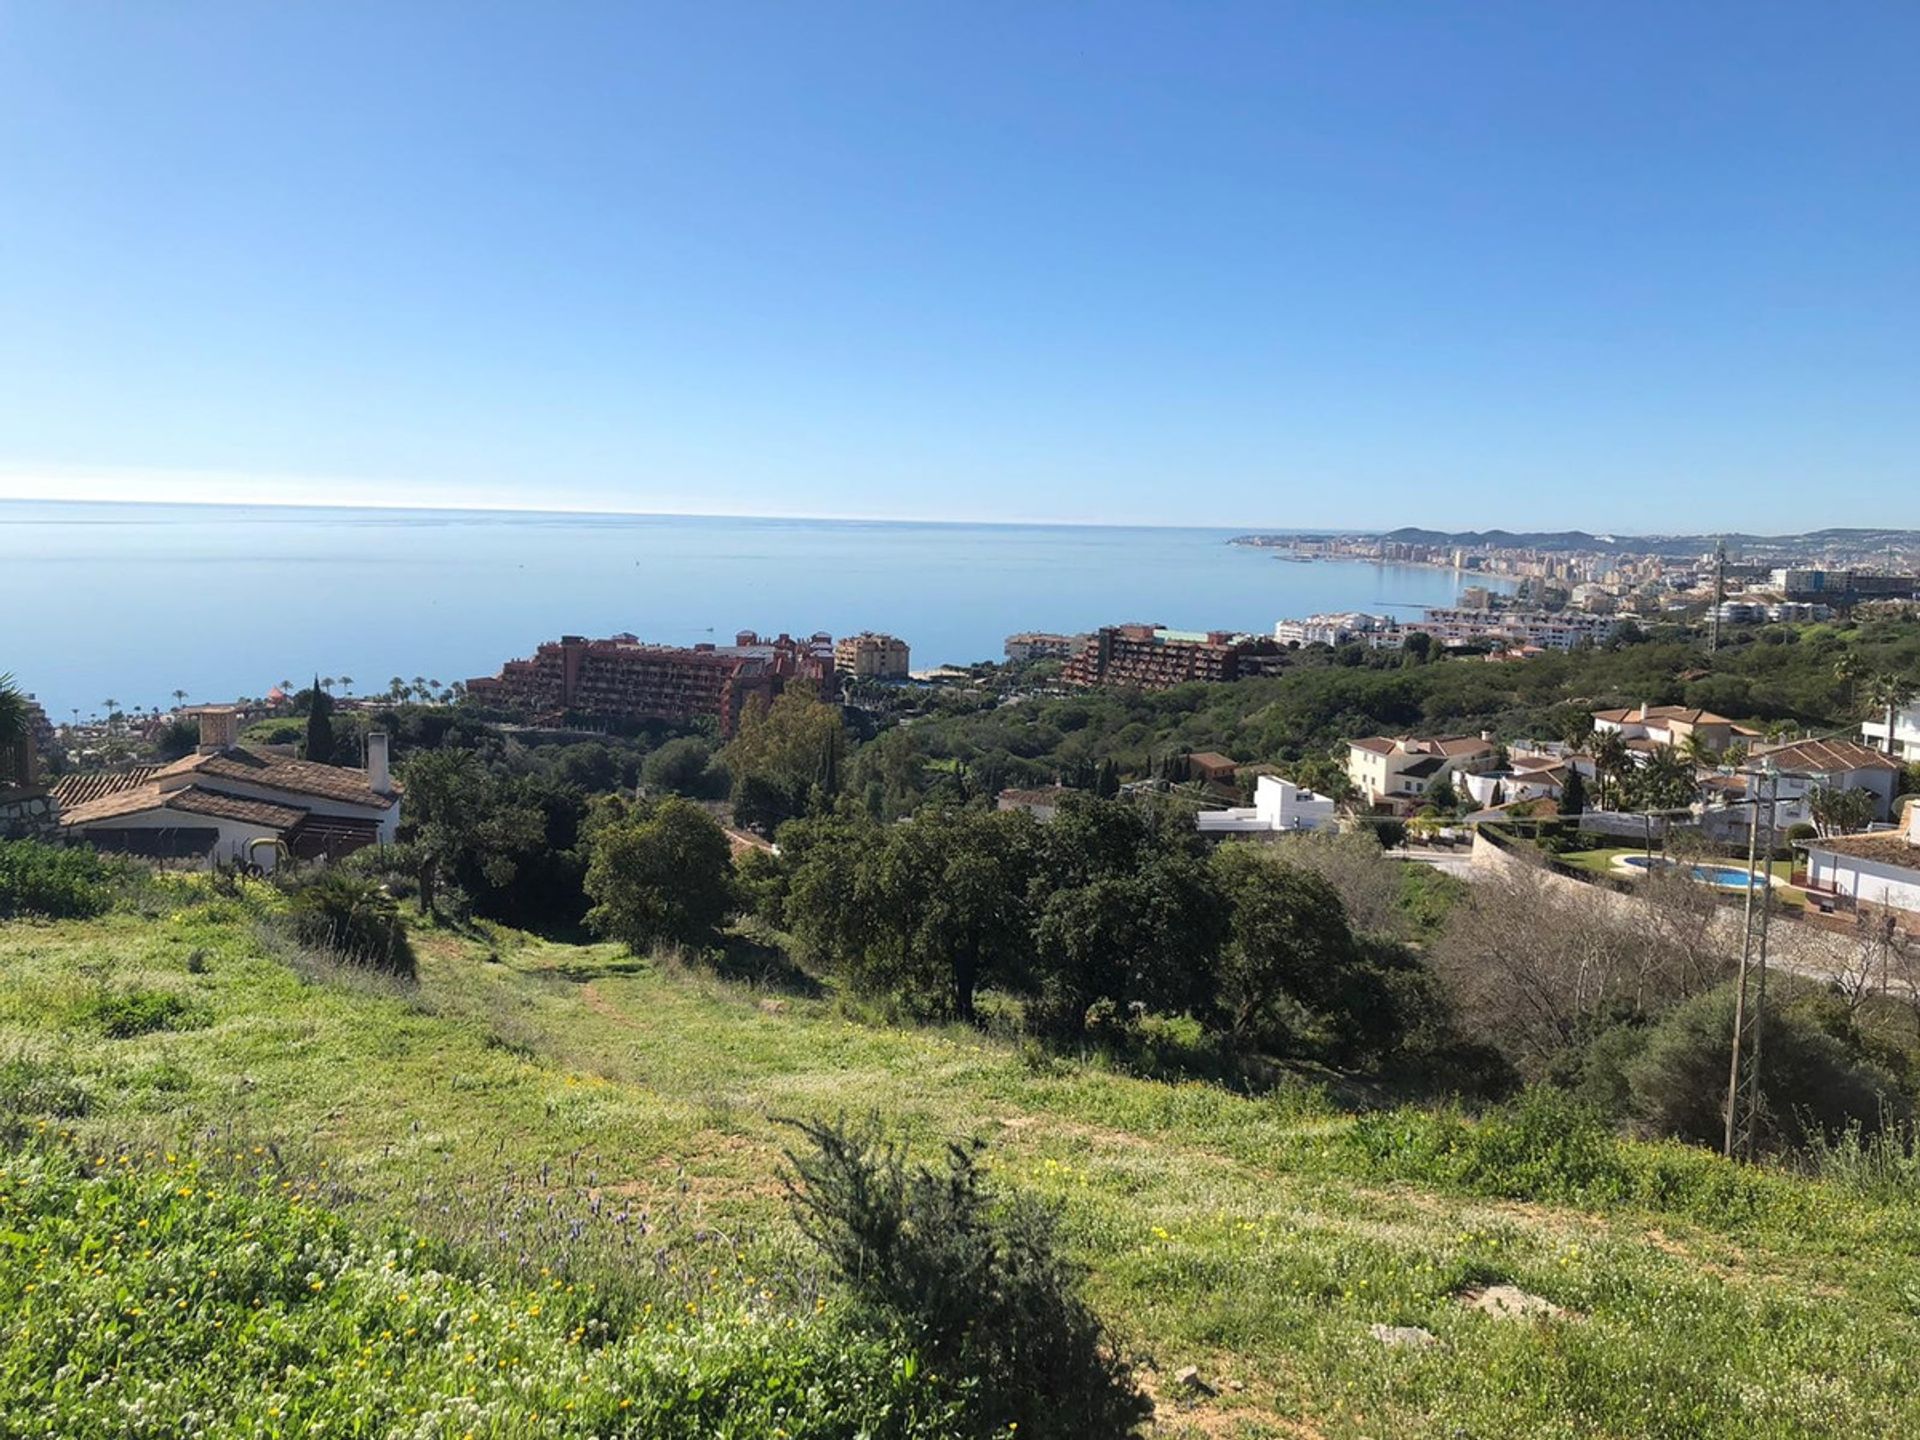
(1625, 269)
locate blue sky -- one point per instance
(1625, 266)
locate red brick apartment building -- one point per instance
(1151, 657)
(623, 678)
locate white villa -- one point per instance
(1278, 806)
(1399, 773)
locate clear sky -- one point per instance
(1623, 266)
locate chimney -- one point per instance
(379, 780)
(219, 729)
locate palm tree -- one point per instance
(179, 697)
(1850, 669)
(1889, 692)
(1610, 760)
(346, 683)
(1699, 750)
(325, 682)
(13, 723)
(397, 688)
(1667, 780)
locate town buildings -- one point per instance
(1551, 630)
(1044, 645)
(1151, 657)
(623, 679)
(1341, 628)
(868, 656)
(233, 804)
(1279, 807)
(1399, 774)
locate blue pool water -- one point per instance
(1721, 877)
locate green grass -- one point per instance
(1256, 1238)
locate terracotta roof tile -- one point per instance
(191, 800)
(75, 790)
(1825, 755)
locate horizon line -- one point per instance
(8, 497)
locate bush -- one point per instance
(49, 880)
(686, 767)
(124, 1014)
(975, 1279)
(352, 918)
(1812, 1082)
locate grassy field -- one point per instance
(524, 1087)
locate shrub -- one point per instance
(62, 884)
(1543, 1146)
(975, 1279)
(351, 918)
(1810, 1080)
(124, 1014)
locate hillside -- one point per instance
(524, 1092)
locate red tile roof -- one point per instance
(1825, 756)
(71, 791)
(192, 800)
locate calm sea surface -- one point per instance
(134, 602)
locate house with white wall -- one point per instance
(1805, 766)
(1905, 744)
(1881, 868)
(229, 802)
(1668, 725)
(1279, 806)
(1399, 774)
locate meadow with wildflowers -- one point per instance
(533, 1124)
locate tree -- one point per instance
(346, 683)
(1289, 947)
(781, 754)
(1573, 794)
(1418, 647)
(320, 740)
(179, 697)
(947, 901)
(1666, 782)
(659, 875)
(13, 725)
(1611, 759)
(1889, 692)
(461, 820)
(1127, 913)
(1839, 812)
(684, 766)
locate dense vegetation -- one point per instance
(526, 1105)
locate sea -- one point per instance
(133, 602)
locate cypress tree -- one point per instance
(1573, 795)
(320, 726)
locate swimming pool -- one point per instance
(1720, 877)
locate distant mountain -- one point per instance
(1855, 538)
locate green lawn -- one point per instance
(1239, 1235)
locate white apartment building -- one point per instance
(1339, 629)
(1555, 630)
(1906, 734)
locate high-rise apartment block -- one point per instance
(868, 656)
(622, 678)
